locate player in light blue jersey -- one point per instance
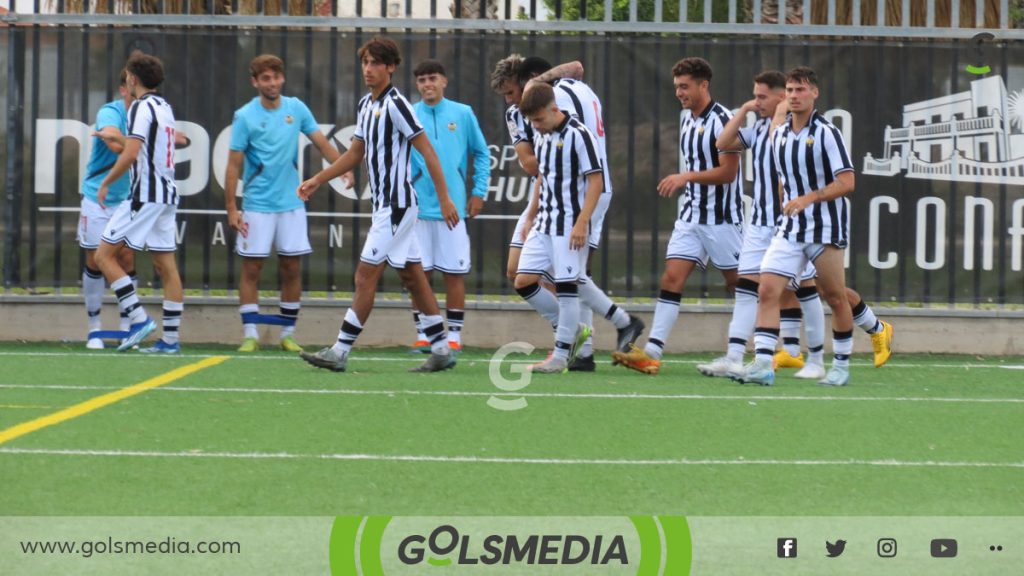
(107, 142)
(265, 141)
(455, 134)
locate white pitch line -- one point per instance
(420, 358)
(506, 460)
(569, 395)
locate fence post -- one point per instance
(15, 139)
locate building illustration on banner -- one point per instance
(973, 136)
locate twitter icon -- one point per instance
(835, 550)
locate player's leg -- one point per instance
(127, 231)
(814, 326)
(291, 237)
(428, 252)
(455, 306)
(790, 320)
(832, 286)
(248, 300)
(881, 332)
(91, 222)
(535, 261)
(744, 313)
(161, 243)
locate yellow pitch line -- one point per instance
(106, 399)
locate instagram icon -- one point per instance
(886, 547)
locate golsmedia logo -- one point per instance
(543, 549)
(382, 545)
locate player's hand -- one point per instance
(307, 188)
(669, 184)
(450, 214)
(237, 223)
(578, 236)
(102, 136)
(101, 195)
(796, 205)
(749, 106)
(474, 206)
(349, 180)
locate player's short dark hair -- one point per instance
(537, 98)
(264, 62)
(148, 69)
(124, 77)
(506, 70)
(532, 66)
(428, 67)
(383, 50)
(771, 78)
(803, 75)
(694, 67)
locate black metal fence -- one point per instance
(938, 215)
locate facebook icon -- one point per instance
(786, 547)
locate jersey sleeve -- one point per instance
(404, 118)
(140, 119)
(239, 133)
(748, 134)
(515, 132)
(307, 124)
(360, 111)
(586, 151)
(108, 116)
(834, 148)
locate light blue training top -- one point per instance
(270, 141)
(455, 134)
(102, 159)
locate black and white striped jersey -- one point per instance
(809, 161)
(151, 121)
(565, 157)
(766, 207)
(519, 129)
(386, 125)
(707, 203)
(576, 98)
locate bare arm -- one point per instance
(580, 230)
(236, 161)
(841, 186)
(572, 70)
(729, 139)
(345, 163)
(330, 153)
(527, 159)
(448, 211)
(112, 137)
(724, 173)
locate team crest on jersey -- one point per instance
(451, 126)
(810, 142)
(376, 113)
(700, 130)
(288, 119)
(560, 144)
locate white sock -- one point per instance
(587, 317)
(128, 300)
(350, 330)
(172, 320)
(543, 301)
(289, 310)
(420, 336)
(568, 318)
(433, 328)
(744, 315)
(249, 330)
(666, 312)
(814, 324)
(789, 330)
(93, 287)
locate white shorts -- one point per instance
(287, 231)
(698, 242)
(790, 259)
(597, 220)
(151, 228)
(756, 240)
(517, 239)
(551, 256)
(443, 249)
(91, 223)
(392, 237)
